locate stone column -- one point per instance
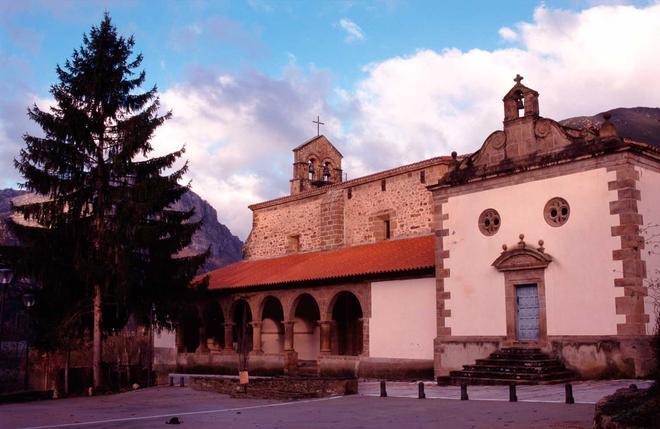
(178, 339)
(229, 337)
(288, 335)
(326, 329)
(256, 337)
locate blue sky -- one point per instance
(396, 81)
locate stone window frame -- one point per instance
(422, 176)
(562, 214)
(489, 222)
(293, 243)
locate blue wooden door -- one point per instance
(527, 298)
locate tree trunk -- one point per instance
(96, 347)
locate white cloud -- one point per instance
(508, 34)
(239, 131)
(353, 31)
(240, 128)
(430, 103)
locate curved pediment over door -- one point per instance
(522, 258)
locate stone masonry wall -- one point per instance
(347, 214)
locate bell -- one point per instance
(311, 167)
(519, 103)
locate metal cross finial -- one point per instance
(517, 79)
(318, 125)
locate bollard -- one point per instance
(464, 395)
(383, 389)
(512, 393)
(181, 382)
(171, 381)
(569, 394)
(421, 394)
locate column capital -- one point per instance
(289, 322)
(256, 324)
(229, 324)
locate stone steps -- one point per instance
(518, 365)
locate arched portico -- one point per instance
(272, 325)
(304, 328)
(347, 321)
(214, 322)
(242, 327)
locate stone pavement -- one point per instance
(584, 392)
(149, 408)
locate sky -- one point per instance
(394, 81)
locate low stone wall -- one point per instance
(276, 387)
(452, 353)
(588, 356)
(221, 363)
(605, 357)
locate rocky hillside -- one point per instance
(637, 123)
(225, 247)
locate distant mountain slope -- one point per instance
(637, 123)
(226, 248)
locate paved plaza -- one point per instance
(538, 407)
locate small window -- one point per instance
(383, 185)
(422, 176)
(388, 233)
(350, 193)
(489, 222)
(556, 212)
(293, 244)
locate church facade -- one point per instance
(538, 239)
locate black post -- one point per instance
(171, 381)
(464, 394)
(421, 394)
(181, 382)
(569, 394)
(512, 393)
(383, 389)
(150, 364)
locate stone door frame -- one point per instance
(523, 265)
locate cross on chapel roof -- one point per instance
(517, 79)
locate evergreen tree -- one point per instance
(103, 234)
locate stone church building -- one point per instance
(537, 241)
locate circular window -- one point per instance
(556, 212)
(489, 222)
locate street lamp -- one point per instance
(5, 276)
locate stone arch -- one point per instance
(306, 314)
(346, 313)
(242, 330)
(272, 313)
(214, 322)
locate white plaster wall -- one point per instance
(649, 208)
(306, 339)
(579, 283)
(165, 339)
(403, 319)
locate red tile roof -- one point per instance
(391, 256)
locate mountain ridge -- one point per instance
(225, 247)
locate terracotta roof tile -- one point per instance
(389, 256)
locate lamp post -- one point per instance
(5, 278)
(28, 302)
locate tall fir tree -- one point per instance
(103, 235)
